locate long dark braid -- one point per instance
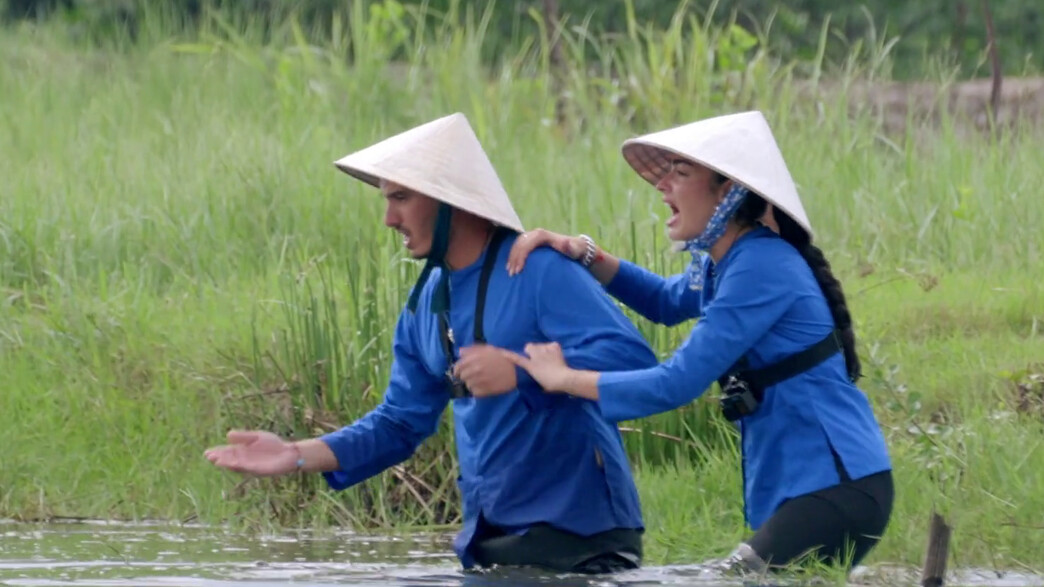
(748, 214)
(835, 296)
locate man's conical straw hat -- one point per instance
(441, 159)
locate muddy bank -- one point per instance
(1020, 101)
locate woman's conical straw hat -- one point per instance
(739, 146)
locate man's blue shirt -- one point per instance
(526, 456)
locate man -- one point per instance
(544, 479)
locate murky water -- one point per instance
(114, 554)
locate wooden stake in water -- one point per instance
(934, 572)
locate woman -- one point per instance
(774, 329)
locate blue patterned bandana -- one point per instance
(699, 247)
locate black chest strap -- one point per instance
(761, 379)
(446, 333)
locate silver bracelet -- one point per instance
(589, 253)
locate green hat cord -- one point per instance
(436, 258)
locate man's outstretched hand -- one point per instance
(255, 452)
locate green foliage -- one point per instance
(938, 33)
(179, 257)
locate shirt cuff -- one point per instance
(337, 480)
(616, 394)
(623, 281)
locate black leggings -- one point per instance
(838, 525)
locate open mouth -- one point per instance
(674, 215)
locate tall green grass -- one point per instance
(178, 256)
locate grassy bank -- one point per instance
(178, 256)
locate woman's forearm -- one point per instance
(604, 267)
(582, 384)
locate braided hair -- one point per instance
(748, 214)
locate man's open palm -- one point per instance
(254, 452)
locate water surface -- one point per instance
(116, 554)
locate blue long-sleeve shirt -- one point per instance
(525, 456)
(663, 300)
(761, 301)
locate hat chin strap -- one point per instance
(436, 258)
(700, 246)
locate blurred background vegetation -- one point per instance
(178, 257)
(925, 37)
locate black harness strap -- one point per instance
(444, 336)
(457, 388)
(757, 380)
(794, 364)
(483, 285)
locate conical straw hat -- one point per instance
(739, 146)
(441, 159)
